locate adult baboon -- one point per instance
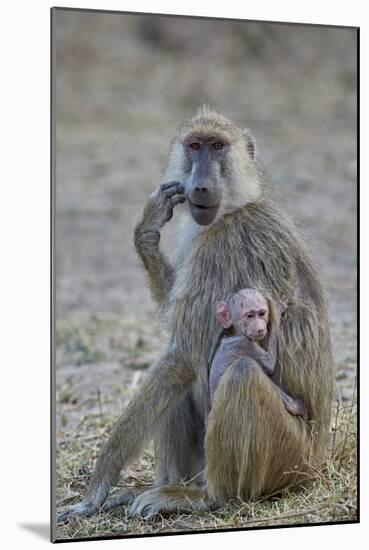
(231, 237)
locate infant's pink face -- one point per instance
(250, 314)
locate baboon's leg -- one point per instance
(163, 387)
(179, 451)
(252, 441)
(169, 499)
(179, 445)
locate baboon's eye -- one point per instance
(195, 145)
(218, 145)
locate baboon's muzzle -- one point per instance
(203, 215)
(203, 199)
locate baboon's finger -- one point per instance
(170, 192)
(177, 199)
(176, 188)
(171, 185)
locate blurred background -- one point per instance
(123, 85)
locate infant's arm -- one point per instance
(266, 359)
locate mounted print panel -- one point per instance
(204, 280)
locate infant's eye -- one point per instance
(262, 314)
(195, 145)
(249, 316)
(218, 145)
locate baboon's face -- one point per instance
(247, 312)
(250, 316)
(215, 162)
(205, 158)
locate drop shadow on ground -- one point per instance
(40, 529)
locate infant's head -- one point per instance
(246, 313)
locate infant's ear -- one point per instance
(251, 143)
(223, 315)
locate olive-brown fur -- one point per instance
(251, 244)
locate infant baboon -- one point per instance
(250, 331)
(231, 236)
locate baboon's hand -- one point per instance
(296, 407)
(85, 508)
(159, 209)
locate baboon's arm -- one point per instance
(159, 270)
(234, 347)
(155, 399)
(266, 359)
(157, 212)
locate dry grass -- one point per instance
(329, 496)
(88, 393)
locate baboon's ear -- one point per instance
(223, 315)
(250, 141)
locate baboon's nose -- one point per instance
(201, 189)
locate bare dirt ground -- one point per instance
(123, 84)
